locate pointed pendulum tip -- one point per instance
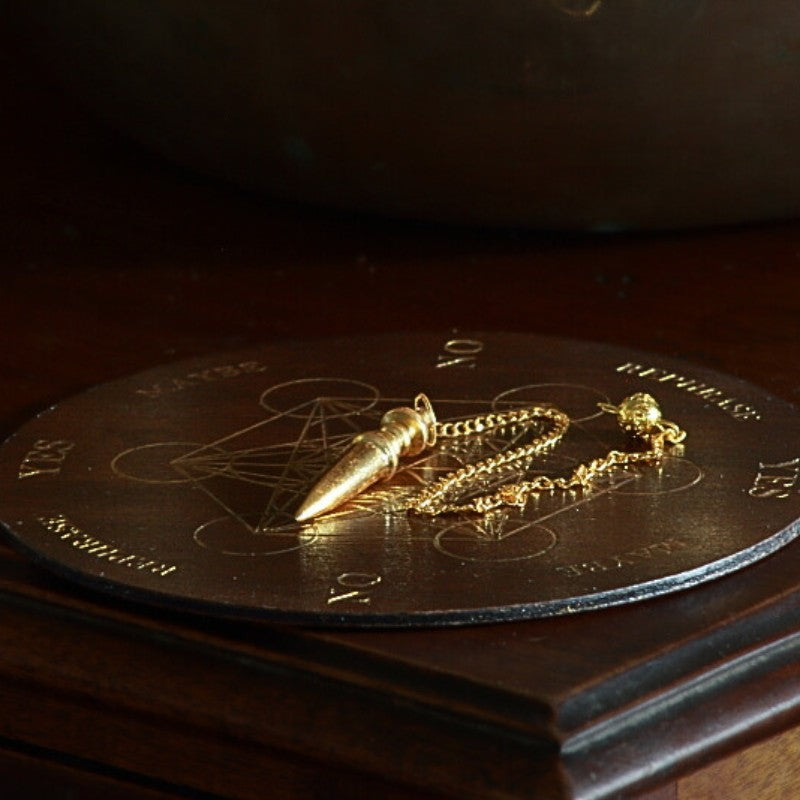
(328, 493)
(311, 507)
(372, 457)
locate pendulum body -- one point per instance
(372, 457)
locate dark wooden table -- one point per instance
(113, 261)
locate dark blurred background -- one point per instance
(114, 259)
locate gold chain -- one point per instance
(638, 415)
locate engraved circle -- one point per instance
(467, 541)
(672, 475)
(155, 463)
(235, 536)
(577, 401)
(339, 397)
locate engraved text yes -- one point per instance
(775, 480)
(46, 457)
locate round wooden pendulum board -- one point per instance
(177, 486)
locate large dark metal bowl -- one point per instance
(588, 114)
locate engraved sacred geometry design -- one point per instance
(326, 414)
(179, 486)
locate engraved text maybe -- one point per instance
(192, 379)
(626, 559)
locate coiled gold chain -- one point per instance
(638, 415)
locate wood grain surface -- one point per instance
(113, 262)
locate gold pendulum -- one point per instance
(372, 457)
(375, 455)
